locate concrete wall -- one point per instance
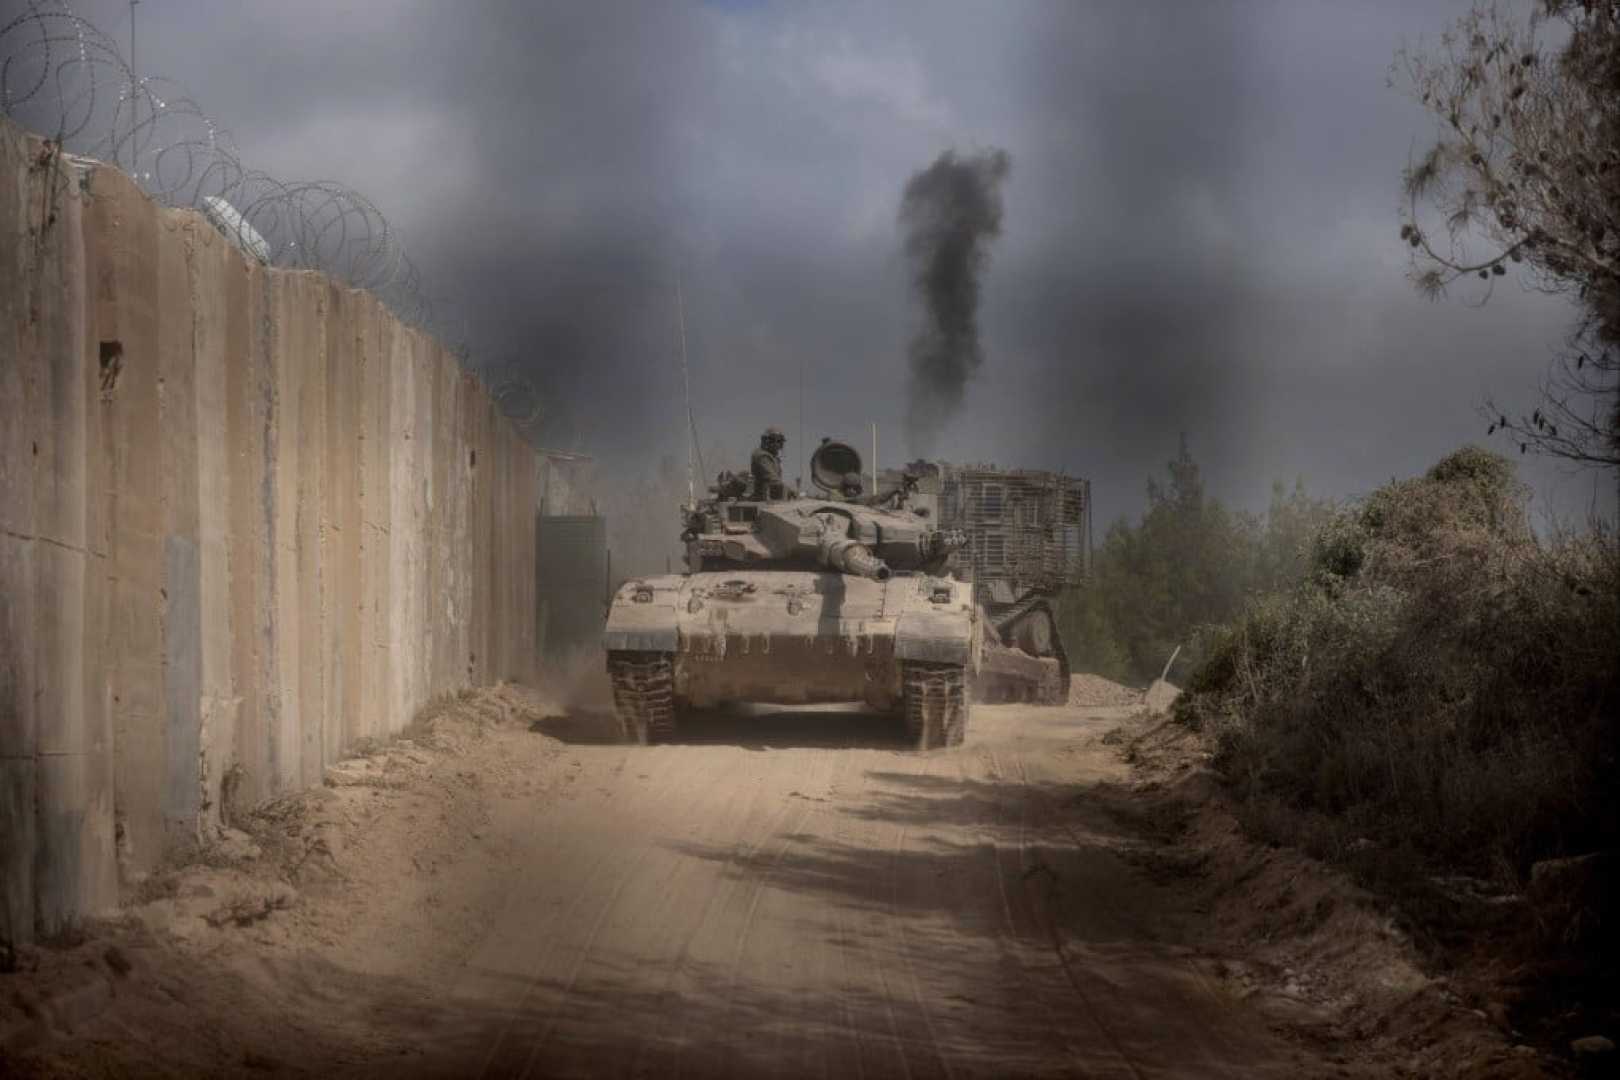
(246, 518)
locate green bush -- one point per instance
(1188, 562)
(1441, 683)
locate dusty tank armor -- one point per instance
(800, 600)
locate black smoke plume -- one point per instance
(949, 214)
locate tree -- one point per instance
(1185, 563)
(1283, 547)
(1524, 175)
(1188, 562)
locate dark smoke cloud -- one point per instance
(950, 213)
(1202, 235)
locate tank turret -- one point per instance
(836, 531)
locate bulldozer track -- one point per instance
(1054, 691)
(644, 696)
(1012, 614)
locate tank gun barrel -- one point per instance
(852, 557)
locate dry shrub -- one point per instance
(1437, 697)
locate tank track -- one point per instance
(644, 696)
(936, 704)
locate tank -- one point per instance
(835, 597)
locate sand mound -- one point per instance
(1095, 691)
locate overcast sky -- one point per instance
(1200, 219)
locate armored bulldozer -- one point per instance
(1028, 542)
(800, 599)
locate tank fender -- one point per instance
(941, 637)
(640, 639)
(643, 616)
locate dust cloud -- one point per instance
(642, 508)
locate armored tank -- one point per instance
(800, 599)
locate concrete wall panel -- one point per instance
(376, 502)
(69, 822)
(127, 302)
(418, 641)
(308, 356)
(481, 638)
(343, 635)
(210, 265)
(248, 399)
(180, 594)
(440, 610)
(98, 877)
(20, 363)
(19, 746)
(402, 557)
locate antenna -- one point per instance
(686, 386)
(874, 457)
(798, 481)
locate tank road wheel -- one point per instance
(936, 705)
(643, 696)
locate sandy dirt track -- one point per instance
(789, 894)
(828, 910)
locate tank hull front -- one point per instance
(793, 637)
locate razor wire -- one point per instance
(517, 397)
(65, 79)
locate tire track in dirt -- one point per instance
(720, 885)
(1093, 1013)
(621, 813)
(904, 946)
(744, 890)
(1010, 945)
(848, 938)
(759, 881)
(1217, 1043)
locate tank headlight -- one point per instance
(643, 595)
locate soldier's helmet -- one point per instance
(773, 437)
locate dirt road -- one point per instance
(790, 894)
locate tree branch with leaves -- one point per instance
(1524, 176)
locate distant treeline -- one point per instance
(1190, 562)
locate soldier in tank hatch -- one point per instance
(766, 465)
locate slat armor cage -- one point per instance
(1029, 530)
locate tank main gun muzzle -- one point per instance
(853, 557)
